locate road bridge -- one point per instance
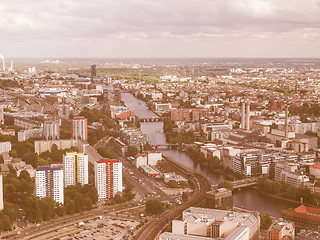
(153, 119)
(248, 182)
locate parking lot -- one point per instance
(99, 228)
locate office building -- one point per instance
(51, 130)
(133, 137)
(213, 223)
(108, 178)
(219, 198)
(75, 166)
(80, 128)
(49, 183)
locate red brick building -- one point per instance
(305, 218)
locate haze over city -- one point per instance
(164, 120)
(142, 28)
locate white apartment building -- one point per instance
(80, 128)
(108, 178)
(51, 130)
(49, 183)
(75, 166)
(5, 147)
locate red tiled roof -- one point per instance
(307, 214)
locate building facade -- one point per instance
(108, 178)
(5, 147)
(51, 130)
(80, 128)
(213, 223)
(75, 166)
(49, 183)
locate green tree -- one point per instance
(132, 151)
(154, 206)
(273, 126)
(172, 184)
(265, 220)
(185, 196)
(226, 184)
(30, 158)
(25, 175)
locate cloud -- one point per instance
(60, 22)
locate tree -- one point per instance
(226, 184)
(132, 151)
(154, 206)
(172, 184)
(273, 126)
(265, 220)
(310, 133)
(105, 153)
(185, 196)
(25, 175)
(30, 158)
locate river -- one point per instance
(248, 198)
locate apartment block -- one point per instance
(75, 166)
(49, 183)
(51, 130)
(108, 178)
(80, 128)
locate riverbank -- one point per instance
(246, 198)
(283, 199)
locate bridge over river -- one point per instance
(243, 183)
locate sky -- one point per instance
(160, 28)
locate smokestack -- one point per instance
(243, 115)
(3, 63)
(248, 116)
(286, 128)
(11, 68)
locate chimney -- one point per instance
(243, 115)
(248, 116)
(286, 128)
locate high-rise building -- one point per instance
(108, 178)
(1, 192)
(51, 130)
(49, 183)
(93, 71)
(80, 128)
(75, 166)
(63, 110)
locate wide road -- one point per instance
(66, 220)
(152, 230)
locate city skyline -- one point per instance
(163, 29)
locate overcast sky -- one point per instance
(160, 28)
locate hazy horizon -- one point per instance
(160, 29)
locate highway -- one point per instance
(200, 185)
(67, 220)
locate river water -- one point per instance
(248, 198)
